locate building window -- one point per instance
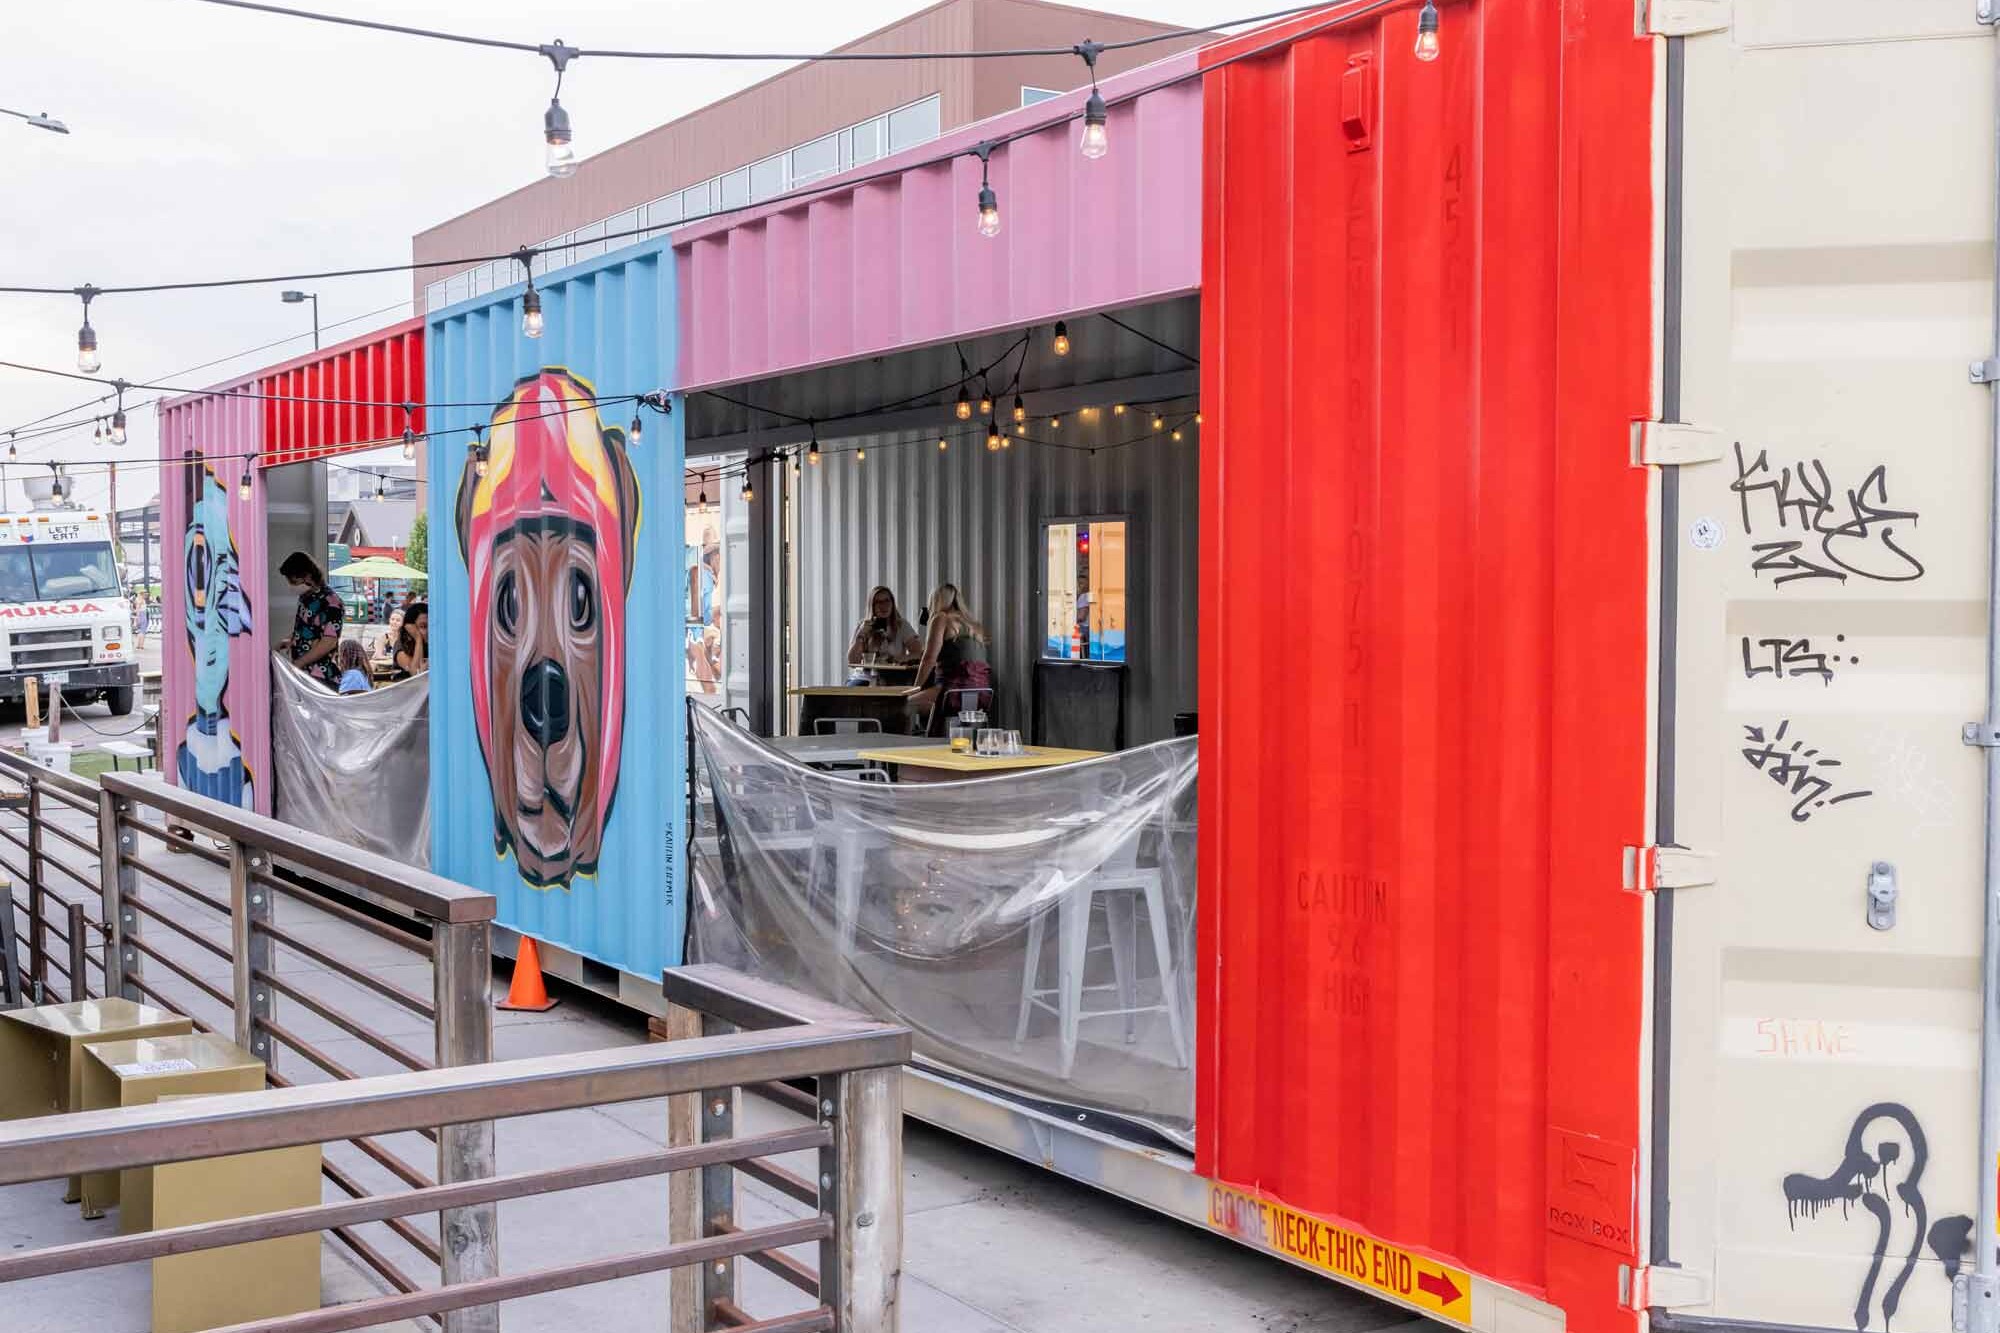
(734, 189)
(1030, 96)
(915, 124)
(819, 158)
(695, 201)
(768, 178)
(867, 140)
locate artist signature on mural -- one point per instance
(1799, 769)
(1841, 533)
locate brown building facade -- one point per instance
(808, 122)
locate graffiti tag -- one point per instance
(1796, 768)
(1787, 658)
(1841, 533)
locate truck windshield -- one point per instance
(50, 573)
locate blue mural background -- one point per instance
(610, 322)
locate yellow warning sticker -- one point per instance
(1351, 1255)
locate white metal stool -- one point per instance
(1121, 886)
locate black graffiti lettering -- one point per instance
(1784, 658)
(1795, 768)
(1884, 1140)
(1841, 533)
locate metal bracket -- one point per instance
(1987, 371)
(1975, 1303)
(1882, 894)
(1657, 1288)
(1650, 867)
(1982, 734)
(1673, 444)
(1989, 11)
(1686, 18)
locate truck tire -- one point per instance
(119, 699)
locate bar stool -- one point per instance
(1120, 884)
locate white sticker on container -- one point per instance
(147, 1068)
(1705, 534)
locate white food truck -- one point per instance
(63, 610)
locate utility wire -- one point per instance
(807, 57)
(271, 397)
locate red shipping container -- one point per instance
(1427, 328)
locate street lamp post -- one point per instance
(296, 298)
(40, 120)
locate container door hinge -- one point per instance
(1684, 18)
(1655, 1288)
(1989, 11)
(1650, 867)
(1673, 443)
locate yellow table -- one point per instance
(139, 1073)
(887, 704)
(939, 763)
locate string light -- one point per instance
(561, 156)
(812, 450)
(1427, 32)
(531, 310)
(97, 430)
(409, 433)
(477, 452)
(989, 202)
(56, 488)
(1020, 409)
(1197, 418)
(748, 493)
(1118, 409)
(1177, 435)
(701, 498)
(1055, 422)
(860, 453)
(985, 403)
(1061, 344)
(1158, 422)
(243, 482)
(12, 452)
(943, 444)
(118, 417)
(381, 489)
(87, 359)
(637, 435)
(1021, 429)
(1096, 139)
(964, 408)
(994, 439)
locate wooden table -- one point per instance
(844, 747)
(939, 763)
(887, 704)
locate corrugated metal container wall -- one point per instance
(1427, 293)
(370, 372)
(215, 693)
(912, 517)
(558, 770)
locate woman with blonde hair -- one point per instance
(955, 650)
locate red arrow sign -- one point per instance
(1439, 1285)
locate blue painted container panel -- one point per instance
(558, 743)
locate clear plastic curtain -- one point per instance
(354, 767)
(1034, 930)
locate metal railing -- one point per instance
(155, 886)
(856, 1218)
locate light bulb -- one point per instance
(479, 461)
(1159, 422)
(1427, 32)
(860, 454)
(943, 444)
(1197, 418)
(748, 494)
(243, 483)
(556, 134)
(1020, 409)
(1118, 409)
(409, 445)
(985, 403)
(964, 408)
(531, 312)
(1055, 423)
(994, 439)
(812, 453)
(638, 432)
(1021, 429)
(97, 430)
(87, 359)
(1061, 343)
(381, 490)
(1177, 435)
(1096, 140)
(56, 490)
(989, 211)
(12, 452)
(118, 426)
(701, 498)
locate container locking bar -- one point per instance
(1673, 444)
(1652, 867)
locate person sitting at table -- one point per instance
(385, 648)
(352, 659)
(413, 652)
(955, 651)
(883, 635)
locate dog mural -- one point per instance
(209, 759)
(548, 537)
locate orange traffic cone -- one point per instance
(526, 991)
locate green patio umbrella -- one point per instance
(378, 567)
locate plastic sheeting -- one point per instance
(354, 767)
(1011, 922)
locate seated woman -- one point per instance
(385, 647)
(413, 651)
(883, 636)
(955, 650)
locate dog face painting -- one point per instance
(210, 759)
(548, 539)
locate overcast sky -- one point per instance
(214, 142)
